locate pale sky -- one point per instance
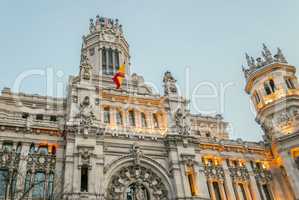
(202, 40)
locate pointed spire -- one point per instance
(248, 60)
(280, 57)
(267, 54)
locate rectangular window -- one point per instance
(39, 183)
(116, 54)
(107, 115)
(143, 120)
(39, 117)
(3, 182)
(104, 61)
(84, 179)
(53, 118)
(132, 118)
(110, 61)
(119, 118)
(156, 122)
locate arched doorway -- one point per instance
(137, 191)
(136, 183)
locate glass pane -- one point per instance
(39, 182)
(3, 182)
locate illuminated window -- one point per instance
(289, 83)
(143, 120)
(107, 115)
(132, 118)
(156, 122)
(119, 118)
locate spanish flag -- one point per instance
(119, 76)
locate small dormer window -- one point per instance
(289, 83)
(39, 117)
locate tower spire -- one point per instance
(280, 57)
(267, 54)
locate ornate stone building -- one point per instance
(131, 143)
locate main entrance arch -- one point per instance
(137, 182)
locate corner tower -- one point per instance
(105, 46)
(273, 87)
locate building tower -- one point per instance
(273, 87)
(105, 46)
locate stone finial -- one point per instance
(97, 19)
(91, 25)
(280, 57)
(267, 54)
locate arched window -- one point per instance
(267, 88)
(289, 83)
(3, 182)
(156, 122)
(53, 150)
(7, 145)
(143, 120)
(84, 178)
(132, 118)
(272, 85)
(19, 147)
(104, 61)
(107, 115)
(119, 118)
(110, 61)
(32, 149)
(43, 149)
(116, 54)
(38, 190)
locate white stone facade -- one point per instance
(131, 144)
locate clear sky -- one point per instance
(201, 41)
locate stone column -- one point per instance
(228, 182)
(253, 184)
(23, 166)
(201, 179)
(222, 190)
(247, 191)
(212, 192)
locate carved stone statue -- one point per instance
(182, 122)
(86, 115)
(136, 153)
(139, 193)
(169, 84)
(85, 68)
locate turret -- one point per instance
(273, 87)
(105, 46)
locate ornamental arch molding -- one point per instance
(125, 172)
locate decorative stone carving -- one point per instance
(182, 122)
(214, 172)
(136, 153)
(86, 115)
(188, 159)
(121, 181)
(169, 84)
(85, 68)
(239, 173)
(262, 175)
(85, 155)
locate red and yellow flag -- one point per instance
(119, 76)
